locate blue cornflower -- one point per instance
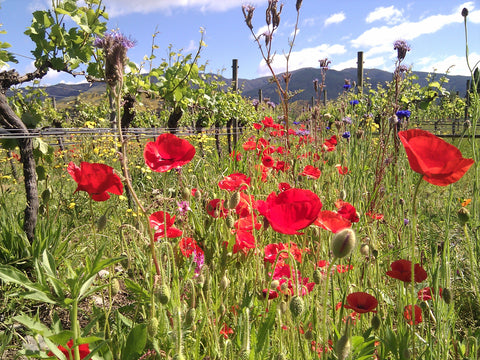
(403, 114)
(346, 135)
(296, 122)
(347, 86)
(354, 102)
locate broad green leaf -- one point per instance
(62, 337)
(34, 325)
(136, 341)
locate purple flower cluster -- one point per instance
(402, 47)
(115, 37)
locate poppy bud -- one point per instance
(102, 222)
(163, 294)
(447, 295)
(152, 327)
(296, 306)
(47, 195)
(198, 195)
(224, 282)
(230, 221)
(274, 284)
(115, 287)
(343, 194)
(375, 322)
(463, 215)
(464, 12)
(42, 210)
(283, 307)
(343, 243)
(190, 317)
(222, 309)
(186, 193)
(343, 347)
(234, 200)
(317, 276)
(365, 249)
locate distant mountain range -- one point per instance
(301, 80)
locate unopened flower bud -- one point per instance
(447, 295)
(234, 200)
(296, 306)
(186, 193)
(190, 317)
(463, 215)
(343, 194)
(464, 12)
(115, 286)
(163, 294)
(375, 322)
(343, 347)
(47, 195)
(283, 307)
(317, 276)
(343, 243)
(102, 222)
(274, 284)
(152, 327)
(365, 249)
(230, 221)
(224, 282)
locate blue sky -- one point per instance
(334, 29)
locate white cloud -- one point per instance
(390, 14)
(307, 57)
(335, 19)
(456, 65)
(309, 22)
(123, 7)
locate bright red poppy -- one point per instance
(407, 314)
(160, 221)
(268, 161)
(402, 270)
(249, 145)
(96, 179)
(244, 207)
(257, 126)
(330, 144)
(244, 241)
(188, 246)
(226, 331)
(361, 302)
(291, 210)
(342, 170)
(284, 186)
(234, 182)
(268, 122)
(311, 172)
(69, 353)
(272, 250)
(168, 152)
(438, 161)
(332, 221)
(247, 223)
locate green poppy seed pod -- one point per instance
(365, 249)
(115, 287)
(190, 317)
(343, 243)
(163, 294)
(375, 322)
(343, 347)
(317, 276)
(152, 327)
(224, 282)
(186, 194)
(230, 221)
(234, 200)
(283, 307)
(447, 295)
(463, 215)
(47, 195)
(343, 194)
(102, 222)
(296, 306)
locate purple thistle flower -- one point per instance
(402, 47)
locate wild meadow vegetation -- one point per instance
(343, 231)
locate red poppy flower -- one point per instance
(375, 216)
(361, 302)
(291, 210)
(332, 221)
(272, 294)
(311, 171)
(330, 144)
(216, 209)
(402, 270)
(284, 186)
(234, 182)
(247, 223)
(244, 207)
(96, 179)
(235, 155)
(69, 353)
(272, 250)
(281, 166)
(268, 161)
(439, 162)
(257, 126)
(342, 170)
(244, 241)
(249, 145)
(268, 122)
(407, 314)
(225, 331)
(161, 220)
(347, 210)
(168, 152)
(188, 246)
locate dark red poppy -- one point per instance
(438, 161)
(361, 302)
(291, 210)
(281, 166)
(272, 294)
(168, 152)
(188, 246)
(402, 270)
(284, 186)
(160, 221)
(332, 221)
(216, 209)
(407, 314)
(69, 353)
(347, 210)
(311, 172)
(96, 179)
(234, 182)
